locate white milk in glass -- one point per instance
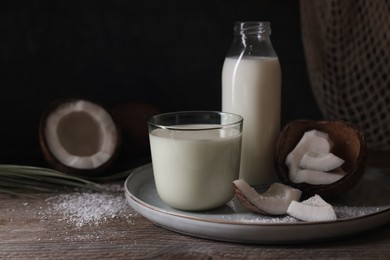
(194, 170)
(251, 87)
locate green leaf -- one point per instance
(17, 179)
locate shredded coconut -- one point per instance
(350, 212)
(83, 208)
(342, 212)
(88, 208)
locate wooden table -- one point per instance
(29, 229)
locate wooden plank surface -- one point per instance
(30, 228)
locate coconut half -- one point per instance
(78, 136)
(348, 144)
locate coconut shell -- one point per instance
(349, 144)
(132, 118)
(53, 161)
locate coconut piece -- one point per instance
(318, 177)
(314, 141)
(320, 161)
(348, 144)
(78, 136)
(312, 209)
(312, 154)
(274, 201)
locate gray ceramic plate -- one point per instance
(365, 207)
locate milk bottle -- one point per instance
(251, 87)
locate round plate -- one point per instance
(364, 207)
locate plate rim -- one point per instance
(186, 216)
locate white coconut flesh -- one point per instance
(273, 201)
(81, 135)
(312, 209)
(281, 199)
(312, 162)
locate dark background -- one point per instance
(168, 53)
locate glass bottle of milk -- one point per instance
(251, 87)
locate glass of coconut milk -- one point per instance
(195, 157)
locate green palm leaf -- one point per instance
(20, 179)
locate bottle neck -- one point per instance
(252, 39)
(252, 29)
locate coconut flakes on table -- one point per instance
(87, 208)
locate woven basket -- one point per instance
(347, 48)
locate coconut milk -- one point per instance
(194, 170)
(251, 87)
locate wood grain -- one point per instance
(28, 232)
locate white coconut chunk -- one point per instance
(314, 141)
(293, 174)
(320, 161)
(317, 177)
(249, 192)
(81, 135)
(312, 209)
(274, 201)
